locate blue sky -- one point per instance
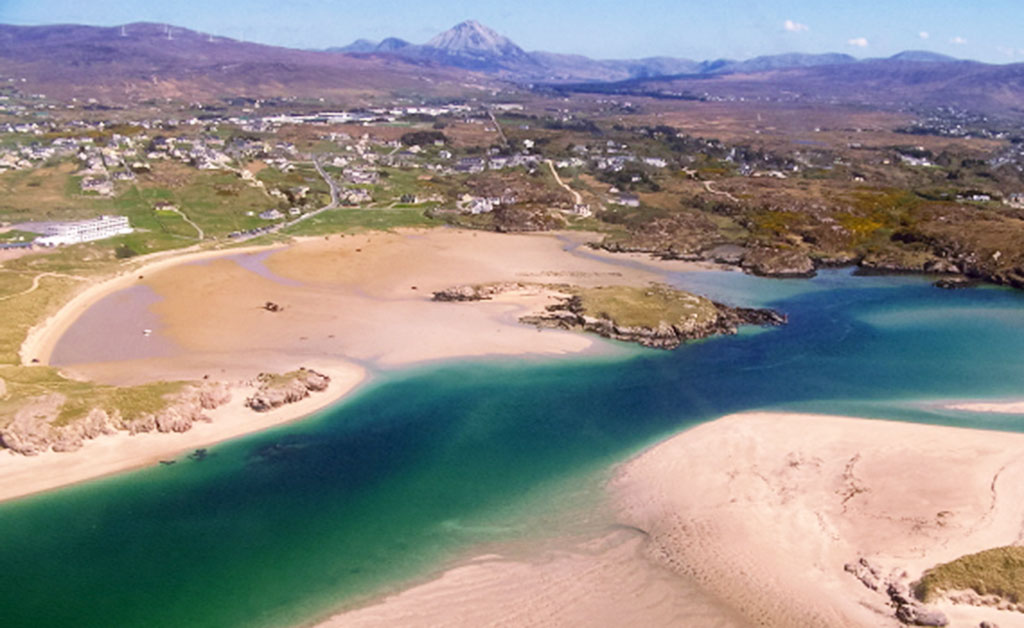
(987, 30)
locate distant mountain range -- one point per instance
(472, 45)
(146, 61)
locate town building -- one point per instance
(61, 233)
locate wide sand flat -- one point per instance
(365, 298)
(764, 510)
(348, 303)
(603, 582)
(749, 520)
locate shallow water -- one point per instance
(424, 466)
(113, 329)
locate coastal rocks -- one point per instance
(569, 314)
(916, 615)
(38, 427)
(770, 262)
(33, 429)
(954, 283)
(278, 390)
(474, 293)
(867, 573)
(973, 598)
(182, 412)
(908, 610)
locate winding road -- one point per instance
(575, 195)
(707, 186)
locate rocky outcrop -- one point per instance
(186, 409)
(769, 262)
(908, 609)
(954, 283)
(569, 314)
(36, 427)
(278, 390)
(474, 293)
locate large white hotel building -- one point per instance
(84, 230)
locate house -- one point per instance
(271, 214)
(470, 164)
(627, 200)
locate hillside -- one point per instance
(140, 61)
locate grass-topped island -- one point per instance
(656, 315)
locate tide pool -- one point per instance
(422, 467)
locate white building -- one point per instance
(100, 228)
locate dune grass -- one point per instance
(997, 572)
(648, 306)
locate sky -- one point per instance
(985, 30)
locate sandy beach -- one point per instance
(348, 304)
(764, 510)
(365, 298)
(23, 475)
(759, 512)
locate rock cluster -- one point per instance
(568, 314)
(276, 391)
(771, 262)
(908, 610)
(34, 429)
(475, 293)
(188, 409)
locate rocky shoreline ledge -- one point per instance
(655, 316)
(39, 426)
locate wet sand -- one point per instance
(349, 304)
(363, 298)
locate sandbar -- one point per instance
(760, 512)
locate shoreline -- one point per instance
(106, 455)
(995, 406)
(774, 507)
(43, 337)
(350, 307)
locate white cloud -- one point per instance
(795, 27)
(860, 42)
(924, 35)
(958, 40)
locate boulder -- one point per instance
(917, 615)
(275, 392)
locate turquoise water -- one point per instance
(422, 467)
